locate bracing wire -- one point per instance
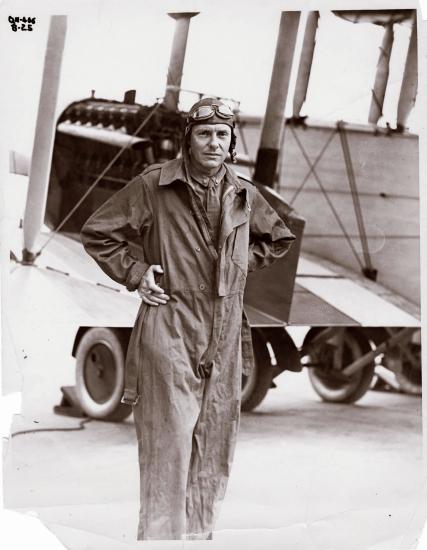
(328, 200)
(312, 166)
(354, 194)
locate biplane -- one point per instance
(344, 302)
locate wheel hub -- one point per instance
(100, 373)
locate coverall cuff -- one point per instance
(130, 397)
(199, 536)
(252, 263)
(135, 275)
(281, 233)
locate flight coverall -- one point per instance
(184, 360)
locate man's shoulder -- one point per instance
(161, 173)
(246, 182)
(241, 181)
(149, 178)
(153, 171)
(241, 178)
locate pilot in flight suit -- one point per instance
(202, 228)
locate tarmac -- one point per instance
(307, 475)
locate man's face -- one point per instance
(209, 144)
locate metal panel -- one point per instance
(309, 309)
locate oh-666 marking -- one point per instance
(21, 23)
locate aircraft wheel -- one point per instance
(409, 377)
(100, 367)
(327, 380)
(256, 385)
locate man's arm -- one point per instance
(270, 238)
(108, 231)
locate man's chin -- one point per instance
(214, 162)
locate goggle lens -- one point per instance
(206, 111)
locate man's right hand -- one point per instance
(149, 291)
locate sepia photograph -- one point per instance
(211, 251)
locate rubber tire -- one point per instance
(410, 379)
(360, 381)
(111, 409)
(256, 385)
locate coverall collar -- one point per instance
(203, 179)
(174, 170)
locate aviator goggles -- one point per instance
(207, 111)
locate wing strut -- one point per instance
(43, 140)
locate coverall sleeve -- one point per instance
(270, 238)
(107, 233)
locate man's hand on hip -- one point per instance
(149, 291)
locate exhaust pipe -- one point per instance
(176, 63)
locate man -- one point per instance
(201, 229)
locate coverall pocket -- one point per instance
(132, 385)
(239, 253)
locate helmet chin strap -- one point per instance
(232, 149)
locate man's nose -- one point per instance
(213, 142)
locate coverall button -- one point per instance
(202, 286)
(197, 249)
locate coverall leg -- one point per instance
(215, 434)
(187, 425)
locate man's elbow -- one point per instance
(91, 241)
(90, 235)
(87, 242)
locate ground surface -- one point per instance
(307, 475)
